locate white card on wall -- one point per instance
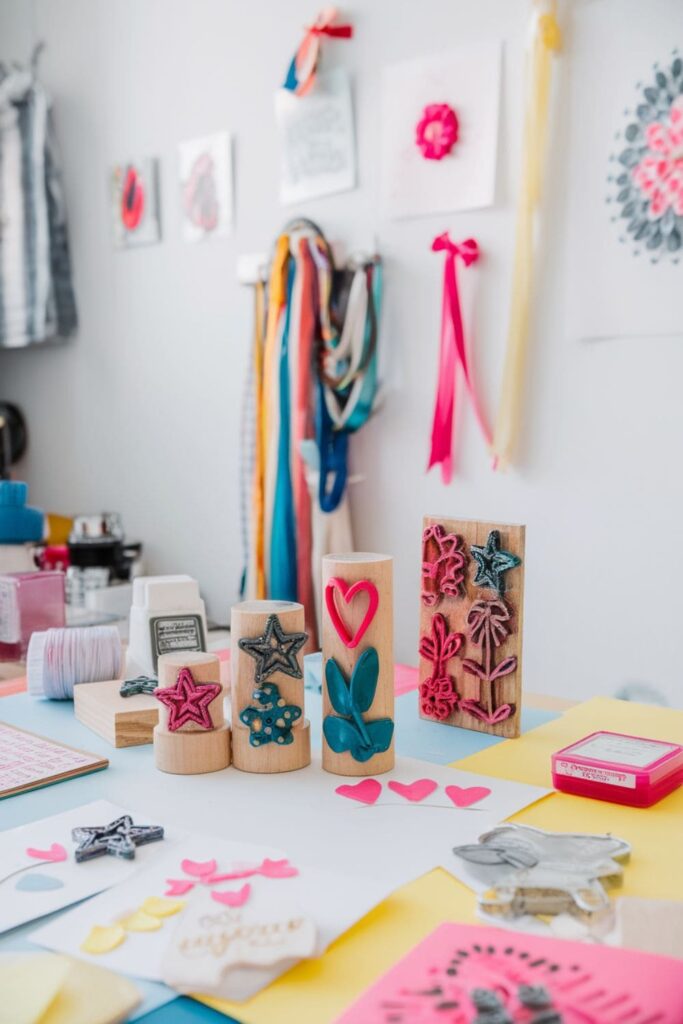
(467, 81)
(206, 186)
(317, 139)
(625, 259)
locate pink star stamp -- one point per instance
(188, 701)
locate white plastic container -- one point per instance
(167, 615)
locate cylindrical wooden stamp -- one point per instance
(192, 736)
(358, 664)
(269, 730)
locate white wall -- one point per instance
(140, 412)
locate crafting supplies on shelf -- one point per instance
(312, 381)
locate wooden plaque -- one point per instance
(471, 614)
(122, 721)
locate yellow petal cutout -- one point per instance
(157, 906)
(140, 922)
(103, 940)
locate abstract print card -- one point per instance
(38, 872)
(463, 974)
(206, 186)
(625, 261)
(317, 139)
(135, 203)
(218, 917)
(439, 132)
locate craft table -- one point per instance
(315, 991)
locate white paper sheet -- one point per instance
(76, 881)
(613, 287)
(333, 901)
(468, 80)
(317, 139)
(206, 186)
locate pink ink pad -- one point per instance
(622, 769)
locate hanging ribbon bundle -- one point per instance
(546, 40)
(452, 355)
(301, 72)
(312, 381)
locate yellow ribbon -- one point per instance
(547, 40)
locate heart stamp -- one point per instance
(414, 791)
(366, 792)
(54, 855)
(233, 899)
(466, 796)
(348, 592)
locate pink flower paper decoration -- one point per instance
(437, 131)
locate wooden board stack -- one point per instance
(471, 609)
(192, 736)
(269, 729)
(358, 664)
(121, 721)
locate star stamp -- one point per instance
(492, 563)
(141, 684)
(118, 839)
(188, 701)
(274, 651)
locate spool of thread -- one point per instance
(59, 659)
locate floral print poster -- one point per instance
(625, 266)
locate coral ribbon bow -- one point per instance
(453, 352)
(302, 70)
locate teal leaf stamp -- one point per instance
(348, 730)
(272, 720)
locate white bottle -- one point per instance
(167, 615)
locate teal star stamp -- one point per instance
(492, 563)
(141, 684)
(272, 720)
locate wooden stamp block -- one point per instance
(204, 668)
(192, 753)
(358, 664)
(269, 729)
(122, 721)
(471, 614)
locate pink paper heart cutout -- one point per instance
(366, 792)
(197, 868)
(465, 797)
(477, 711)
(277, 869)
(55, 854)
(233, 899)
(348, 592)
(178, 886)
(414, 791)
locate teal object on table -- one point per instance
(186, 1011)
(19, 524)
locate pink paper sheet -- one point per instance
(587, 984)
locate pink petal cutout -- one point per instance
(233, 899)
(277, 869)
(197, 868)
(348, 593)
(414, 791)
(178, 886)
(465, 797)
(55, 854)
(367, 791)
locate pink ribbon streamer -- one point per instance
(453, 352)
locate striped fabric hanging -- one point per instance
(312, 379)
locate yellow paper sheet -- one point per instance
(317, 991)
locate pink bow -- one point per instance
(452, 352)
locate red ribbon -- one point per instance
(452, 352)
(301, 75)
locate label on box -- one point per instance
(172, 633)
(590, 773)
(10, 624)
(622, 749)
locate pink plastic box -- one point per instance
(622, 769)
(29, 602)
